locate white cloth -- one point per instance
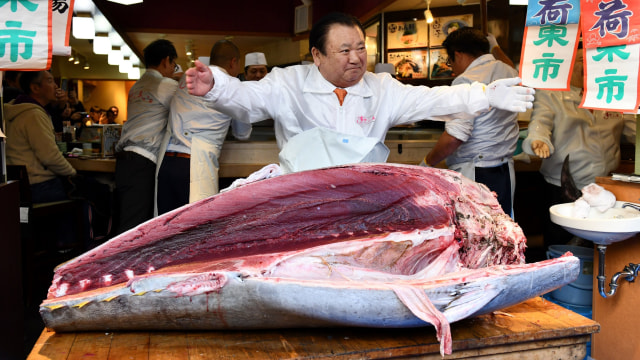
(298, 98)
(267, 172)
(598, 197)
(591, 139)
(147, 114)
(203, 168)
(319, 147)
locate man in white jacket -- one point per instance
(338, 95)
(480, 148)
(189, 167)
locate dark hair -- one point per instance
(222, 52)
(157, 51)
(466, 40)
(11, 75)
(319, 31)
(30, 77)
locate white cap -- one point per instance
(255, 58)
(385, 67)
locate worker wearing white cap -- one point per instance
(255, 66)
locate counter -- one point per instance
(534, 329)
(241, 158)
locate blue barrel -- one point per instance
(579, 292)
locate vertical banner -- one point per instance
(550, 42)
(61, 15)
(611, 33)
(25, 35)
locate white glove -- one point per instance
(492, 41)
(506, 94)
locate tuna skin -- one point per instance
(302, 210)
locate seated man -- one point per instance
(31, 142)
(31, 138)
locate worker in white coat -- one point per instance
(481, 148)
(189, 167)
(342, 103)
(591, 138)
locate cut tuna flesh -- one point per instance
(363, 245)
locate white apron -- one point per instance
(320, 147)
(204, 168)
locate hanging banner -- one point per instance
(547, 56)
(611, 78)
(25, 35)
(61, 16)
(553, 12)
(610, 23)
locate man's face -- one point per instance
(167, 67)
(346, 56)
(255, 72)
(46, 90)
(73, 97)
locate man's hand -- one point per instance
(199, 79)
(505, 94)
(540, 148)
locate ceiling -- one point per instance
(250, 24)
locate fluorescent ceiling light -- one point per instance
(125, 66)
(518, 2)
(135, 60)
(134, 73)
(115, 56)
(101, 44)
(101, 23)
(84, 6)
(115, 38)
(126, 50)
(83, 27)
(126, 2)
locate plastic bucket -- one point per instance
(580, 291)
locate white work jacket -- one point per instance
(298, 98)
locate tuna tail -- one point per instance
(570, 191)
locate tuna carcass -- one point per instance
(363, 245)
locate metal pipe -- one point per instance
(601, 276)
(631, 205)
(630, 272)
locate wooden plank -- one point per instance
(94, 345)
(533, 327)
(131, 346)
(51, 345)
(168, 345)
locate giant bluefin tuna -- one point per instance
(362, 245)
